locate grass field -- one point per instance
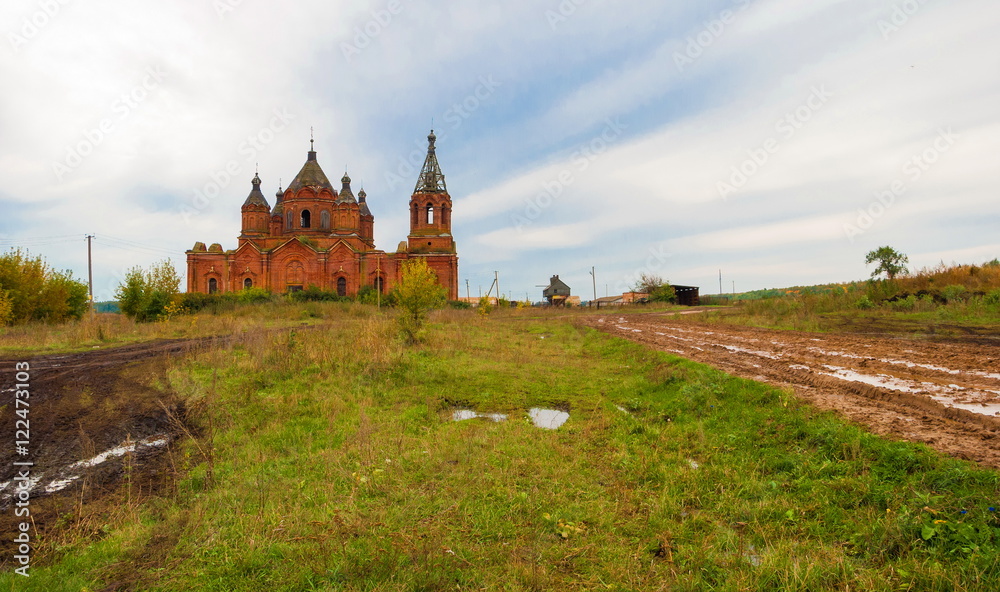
(325, 458)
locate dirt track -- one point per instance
(90, 414)
(946, 395)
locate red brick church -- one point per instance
(318, 236)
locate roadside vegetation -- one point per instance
(956, 299)
(33, 292)
(327, 459)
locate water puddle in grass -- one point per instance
(463, 414)
(549, 419)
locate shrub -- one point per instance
(864, 303)
(992, 298)
(145, 295)
(954, 293)
(314, 294)
(254, 296)
(459, 304)
(903, 304)
(416, 294)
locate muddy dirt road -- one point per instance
(92, 417)
(946, 395)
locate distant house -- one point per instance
(634, 297)
(557, 291)
(609, 301)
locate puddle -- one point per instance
(762, 354)
(549, 419)
(463, 414)
(798, 367)
(67, 478)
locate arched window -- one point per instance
(324, 220)
(379, 284)
(430, 214)
(414, 218)
(288, 220)
(247, 283)
(213, 285)
(341, 286)
(445, 216)
(305, 219)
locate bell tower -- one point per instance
(430, 208)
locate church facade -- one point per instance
(318, 236)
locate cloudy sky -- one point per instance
(775, 140)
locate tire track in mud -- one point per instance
(946, 395)
(91, 413)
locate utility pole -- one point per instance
(593, 276)
(734, 287)
(496, 279)
(720, 282)
(467, 296)
(90, 274)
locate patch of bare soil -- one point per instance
(93, 418)
(945, 394)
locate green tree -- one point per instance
(145, 295)
(656, 288)
(890, 262)
(416, 294)
(35, 292)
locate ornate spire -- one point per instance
(346, 195)
(431, 178)
(312, 147)
(256, 198)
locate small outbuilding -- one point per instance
(687, 295)
(557, 292)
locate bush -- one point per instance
(314, 294)
(416, 294)
(459, 304)
(954, 293)
(864, 303)
(254, 296)
(145, 295)
(904, 304)
(992, 298)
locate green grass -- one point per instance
(326, 460)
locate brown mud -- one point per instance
(98, 422)
(945, 394)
